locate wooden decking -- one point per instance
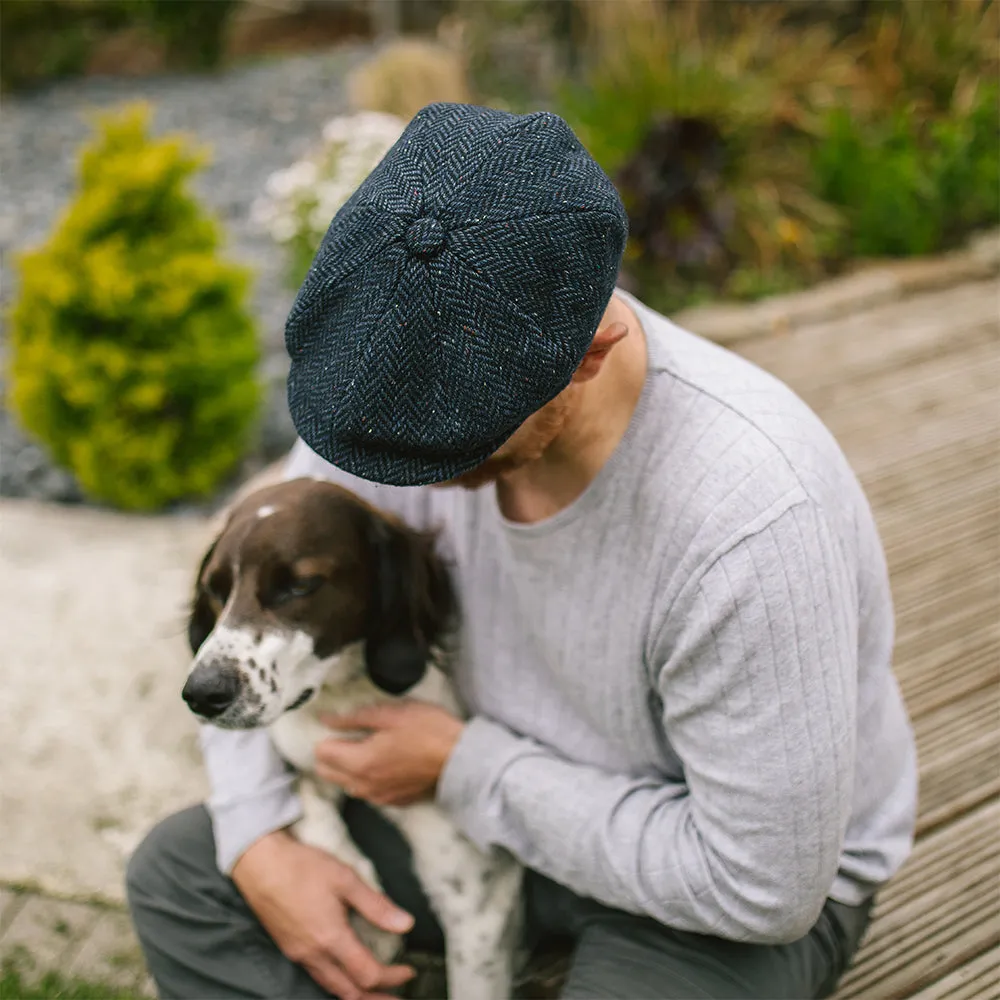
(912, 392)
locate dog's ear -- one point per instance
(411, 604)
(201, 618)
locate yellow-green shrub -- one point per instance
(133, 358)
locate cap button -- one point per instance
(425, 238)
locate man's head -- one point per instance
(454, 302)
(542, 428)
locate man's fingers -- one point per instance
(334, 980)
(364, 968)
(396, 975)
(334, 776)
(370, 717)
(375, 907)
(346, 756)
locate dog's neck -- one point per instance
(347, 696)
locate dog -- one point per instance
(311, 601)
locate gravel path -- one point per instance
(255, 118)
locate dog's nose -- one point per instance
(209, 691)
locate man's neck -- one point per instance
(600, 412)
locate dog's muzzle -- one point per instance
(209, 691)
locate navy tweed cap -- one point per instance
(453, 295)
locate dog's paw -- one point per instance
(382, 944)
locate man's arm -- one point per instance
(755, 667)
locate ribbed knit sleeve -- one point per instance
(755, 667)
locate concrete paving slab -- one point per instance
(110, 954)
(46, 933)
(96, 742)
(10, 903)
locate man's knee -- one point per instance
(178, 854)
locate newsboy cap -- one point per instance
(453, 295)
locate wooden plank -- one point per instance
(940, 731)
(924, 393)
(958, 747)
(952, 784)
(934, 861)
(851, 352)
(935, 497)
(978, 979)
(903, 483)
(967, 572)
(936, 915)
(941, 674)
(961, 638)
(927, 439)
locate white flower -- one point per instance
(287, 182)
(383, 128)
(283, 229)
(302, 199)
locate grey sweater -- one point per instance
(682, 689)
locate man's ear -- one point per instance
(600, 347)
(411, 604)
(201, 617)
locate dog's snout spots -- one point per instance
(210, 690)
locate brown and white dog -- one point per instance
(310, 601)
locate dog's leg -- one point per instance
(476, 897)
(322, 826)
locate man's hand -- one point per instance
(302, 896)
(401, 758)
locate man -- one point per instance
(677, 627)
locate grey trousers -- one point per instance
(202, 941)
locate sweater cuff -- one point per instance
(240, 823)
(467, 787)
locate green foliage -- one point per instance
(755, 152)
(726, 213)
(43, 39)
(15, 986)
(48, 39)
(133, 357)
(193, 30)
(909, 185)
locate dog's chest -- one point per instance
(296, 733)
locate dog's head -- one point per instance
(302, 573)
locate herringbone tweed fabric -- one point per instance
(453, 295)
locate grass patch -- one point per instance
(15, 986)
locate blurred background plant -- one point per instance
(757, 150)
(701, 113)
(406, 75)
(911, 154)
(45, 39)
(133, 357)
(300, 200)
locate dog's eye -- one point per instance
(302, 588)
